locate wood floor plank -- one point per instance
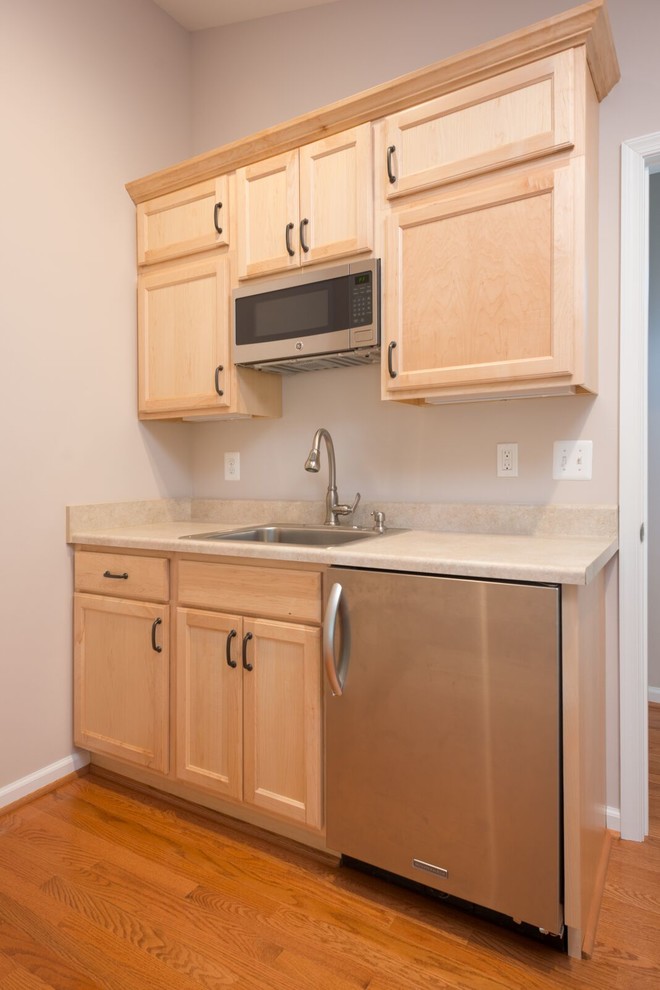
(106, 962)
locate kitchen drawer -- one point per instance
(122, 575)
(518, 115)
(275, 592)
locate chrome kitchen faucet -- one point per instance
(332, 507)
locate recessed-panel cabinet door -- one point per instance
(184, 222)
(514, 116)
(282, 711)
(336, 196)
(121, 663)
(484, 287)
(267, 208)
(209, 701)
(183, 337)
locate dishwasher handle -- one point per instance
(336, 608)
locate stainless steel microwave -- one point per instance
(309, 320)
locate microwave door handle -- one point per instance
(336, 608)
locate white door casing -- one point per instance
(639, 157)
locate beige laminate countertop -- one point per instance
(556, 559)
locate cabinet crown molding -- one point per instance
(586, 25)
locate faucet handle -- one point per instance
(347, 510)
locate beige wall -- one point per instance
(92, 93)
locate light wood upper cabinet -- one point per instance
(485, 287)
(305, 206)
(490, 256)
(184, 222)
(517, 115)
(183, 337)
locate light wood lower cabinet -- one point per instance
(121, 686)
(249, 711)
(243, 720)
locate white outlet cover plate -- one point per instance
(507, 460)
(572, 460)
(232, 466)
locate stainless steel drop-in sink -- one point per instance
(307, 536)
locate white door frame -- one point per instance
(639, 157)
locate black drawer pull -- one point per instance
(117, 577)
(154, 645)
(217, 379)
(231, 635)
(246, 640)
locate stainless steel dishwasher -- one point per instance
(443, 735)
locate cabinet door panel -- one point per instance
(267, 202)
(209, 701)
(121, 681)
(183, 334)
(183, 222)
(521, 114)
(482, 287)
(282, 711)
(336, 195)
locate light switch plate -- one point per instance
(572, 460)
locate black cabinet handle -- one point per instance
(390, 174)
(246, 640)
(117, 577)
(303, 224)
(216, 215)
(390, 348)
(230, 636)
(154, 645)
(287, 235)
(217, 379)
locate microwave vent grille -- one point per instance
(320, 362)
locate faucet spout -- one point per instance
(313, 464)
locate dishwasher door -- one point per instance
(443, 749)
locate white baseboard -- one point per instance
(654, 695)
(613, 819)
(42, 778)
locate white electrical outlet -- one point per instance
(233, 466)
(507, 460)
(572, 460)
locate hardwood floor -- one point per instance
(102, 887)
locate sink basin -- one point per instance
(307, 536)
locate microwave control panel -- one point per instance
(361, 296)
